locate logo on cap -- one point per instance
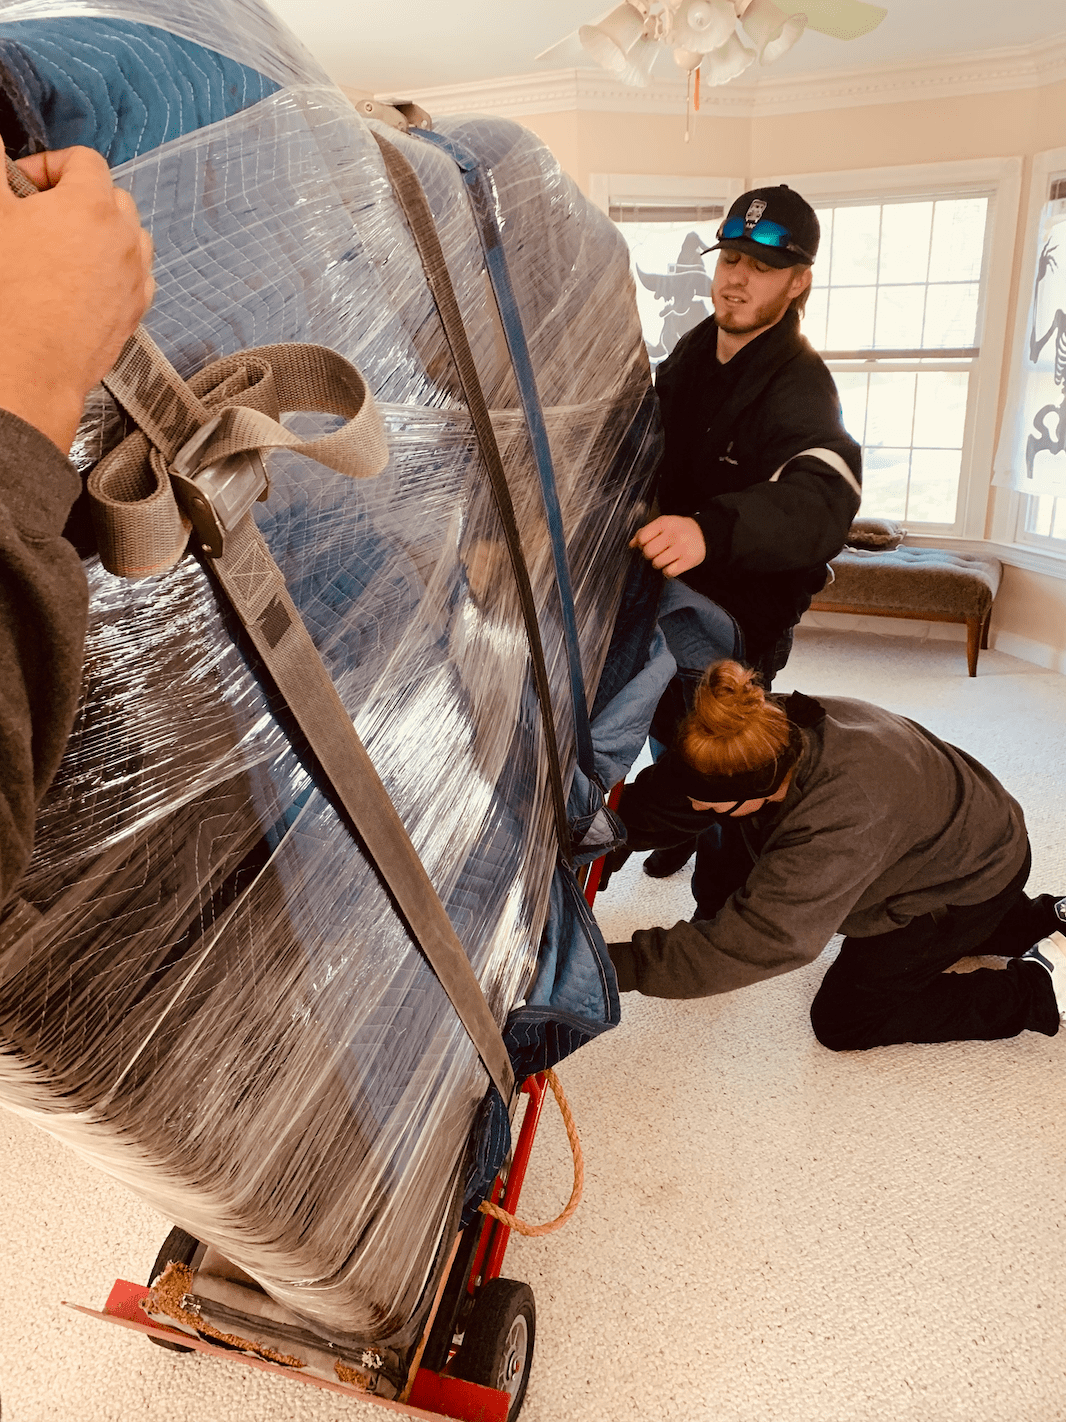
(754, 212)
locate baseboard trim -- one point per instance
(1039, 654)
(1026, 650)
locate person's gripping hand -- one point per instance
(75, 279)
(671, 543)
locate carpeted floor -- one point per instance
(770, 1232)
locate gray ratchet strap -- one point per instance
(417, 212)
(200, 441)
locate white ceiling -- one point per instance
(419, 44)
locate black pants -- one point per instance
(723, 863)
(895, 987)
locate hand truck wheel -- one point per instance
(181, 1248)
(497, 1347)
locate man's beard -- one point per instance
(747, 319)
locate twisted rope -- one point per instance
(532, 1231)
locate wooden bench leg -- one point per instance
(984, 630)
(973, 642)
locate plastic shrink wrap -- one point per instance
(219, 1004)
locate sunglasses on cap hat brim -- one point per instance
(765, 233)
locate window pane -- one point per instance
(904, 275)
(951, 315)
(940, 408)
(1046, 516)
(905, 231)
(934, 485)
(890, 409)
(884, 483)
(899, 316)
(814, 317)
(673, 280)
(852, 388)
(856, 234)
(851, 318)
(958, 239)
(1041, 514)
(820, 274)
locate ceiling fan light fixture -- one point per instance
(610, 39)
(705, 36)
(701, 26)
(687, 59)
(773, 30)
(639, 61)
(727, 62)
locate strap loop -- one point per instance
(230, 408)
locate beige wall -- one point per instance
(644, 143)
(1019, 122)
(884, 135)
(1029, 618)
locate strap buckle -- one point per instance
(218, 496)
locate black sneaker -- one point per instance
(661, 863)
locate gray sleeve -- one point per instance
(43, 609)
(798, 894)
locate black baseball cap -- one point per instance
(774, 225)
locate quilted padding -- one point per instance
(119, 87)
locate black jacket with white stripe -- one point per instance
(772, 516)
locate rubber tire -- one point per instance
(500, 1333)
(179, 1247)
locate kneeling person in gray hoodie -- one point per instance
(859, 821)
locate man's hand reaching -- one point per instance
(671, 543)
(75, 279)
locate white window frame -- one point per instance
(1000, 178)
(660, 190)
(1009, 508)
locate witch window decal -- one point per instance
(681, 289)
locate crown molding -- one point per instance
(569, 90)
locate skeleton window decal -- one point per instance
(1044, 440)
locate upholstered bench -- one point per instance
(926, 584)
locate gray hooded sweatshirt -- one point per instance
(882, 822)
(43, 608)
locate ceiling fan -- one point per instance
(715, 39)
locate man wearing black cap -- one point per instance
(759, 480)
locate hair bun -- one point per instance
(732, 727)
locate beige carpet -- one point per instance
(770, 1232)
